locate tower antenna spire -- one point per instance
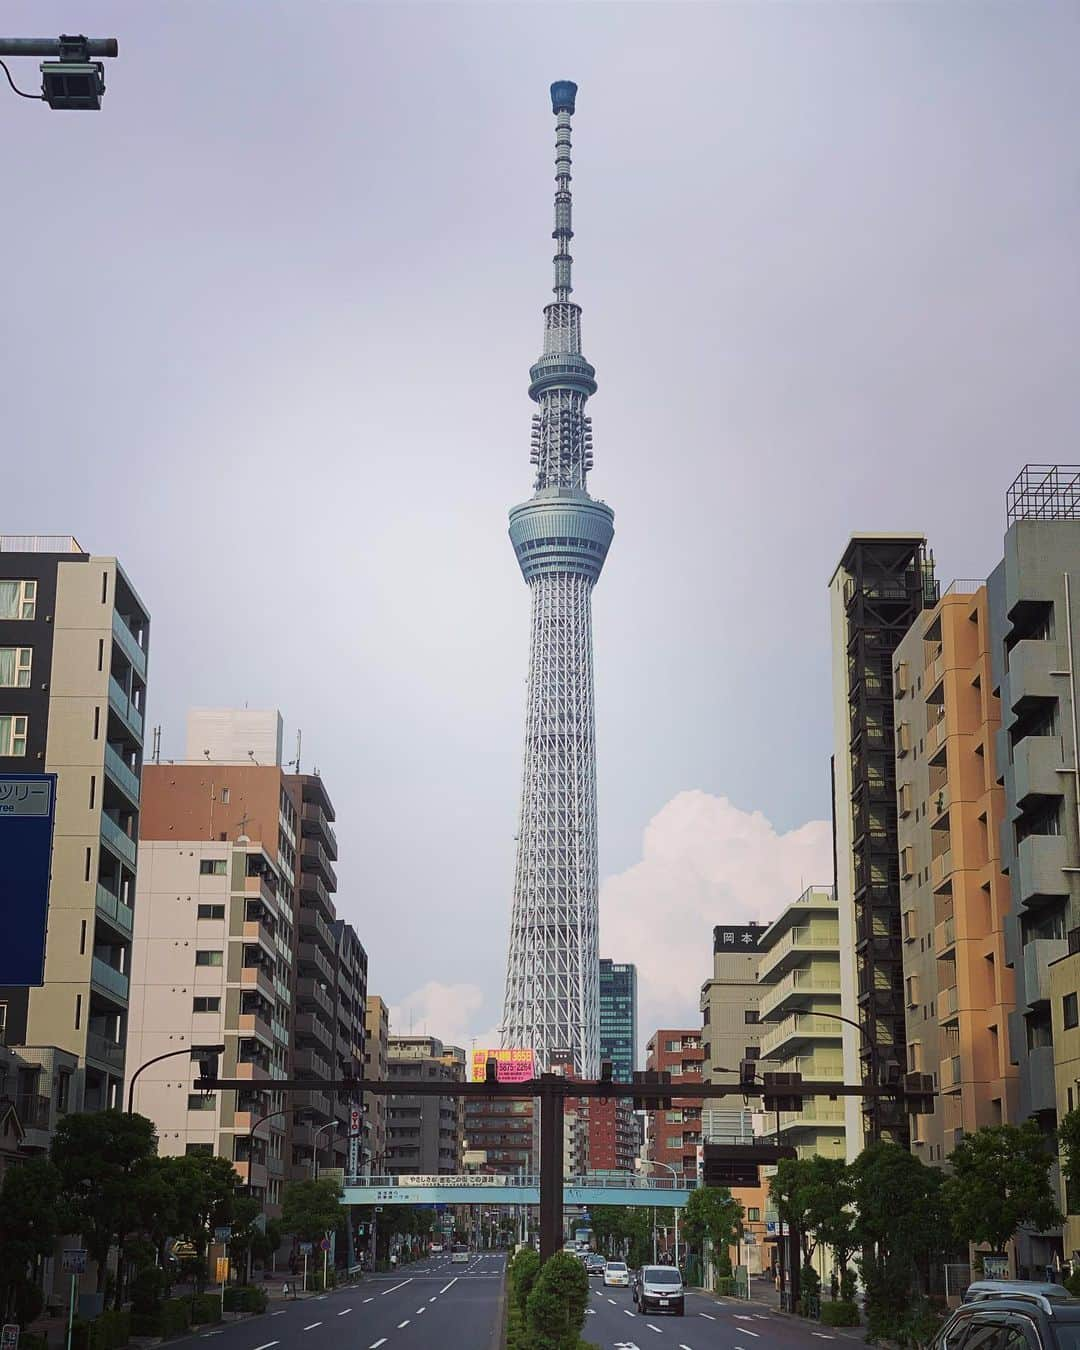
(563, 99)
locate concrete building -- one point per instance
(74, 643)
(503, 1131)
(799, 974)
(618, 1017)
(376, 1052)
(729, 1002)
(881, 584)
(674, 1134)
(954, 896)
(424, 1134)
(233, 784)
(212, 965)
(1033, 659)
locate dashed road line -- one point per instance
(344, 1311)
(683, 1347)
(313, 1326)
(375, 1344)
(629, 1313)
(266, 1346)
(403, 1324)
(396, 1286)
(611, 1300)
(449, 1286)
(709, 1316)
(821, 1336)
(747, 1332)
(652, 1328)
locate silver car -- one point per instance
(660, 1289)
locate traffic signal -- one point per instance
(782, 1092)
(206, 1056)
(737, 1164)
(650, 1078)
(919, 1093)
(491, 1071)
(747, 1072)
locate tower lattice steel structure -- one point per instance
(561, 537)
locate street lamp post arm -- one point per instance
(169, 1054)
(55, 46)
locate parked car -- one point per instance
(616, 1273)
(594, 1264)
(1016, 1320)
(660, 1288)
(436, 1248)
(1007, 1288)
(459, 1255)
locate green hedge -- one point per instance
(205, 1308)
(247, 1298)
(29, 1340)
(839, 1314)
(110, 1331)
(175, 1316)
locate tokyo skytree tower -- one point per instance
(561, 537)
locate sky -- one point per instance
(265, 333)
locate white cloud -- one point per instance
(704, 862)
(447, 1011)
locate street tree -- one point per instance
(1069, 1145)
(310, 1209)
(555, 1309)
(1000, 1181)
(30, 1222)
(814, 1195)
(101, 1159)
(712, 1214)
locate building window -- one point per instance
(208, 958)
(1068, 1007)
(18, 599)
(204, 1005)
(224, 796)
(199, 1150)
(212, 867)
(211, 911)
(15, 667)
(63, 1092)
(674, 1141)
(12, 735)
(202, 1101)
(750, 1017)
(753, 1214)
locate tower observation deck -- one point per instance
(561, 536)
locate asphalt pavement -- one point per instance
(708, 1324)
(428, 1303)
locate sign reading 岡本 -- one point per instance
(27, 806)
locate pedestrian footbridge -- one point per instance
(589, 1190)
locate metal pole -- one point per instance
(654, 1234)
(325, 1263)
(675, 1211)
(224, 1275)
(71, 1308)
(51, 46)
(552, 1091)
(305, 1272)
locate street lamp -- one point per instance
(73, 80)
(674, 1209)
(205, 1054)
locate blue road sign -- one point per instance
(27, 809)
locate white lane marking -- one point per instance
(683, 1347)
(369, 1300)
(375, 1344)
(652, 1328)
(629, 1313)
(396, 1286)
(313, 1326)
(433, 1298)
(747, 1332)
(344, 1311)
(420, 1310)
(278, 1314)
(207, 1334)
(710, 1317)
(741, 1317)
(821, 1336)
(762, 1318)
(449, 1286)
(611, 1300)
(403, 1324)
(266, 1346)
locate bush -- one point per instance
(725, 1286)
(29, 1303)
(147, 1323)
(175, 1316)
(555, 1310)
(147, 1290)
(205, 1308)
(847, 1286)
(524, 1269)
(110, 1331)
(29, 1341)
(839, 1314)
(245, 1298)
(1072, 1283)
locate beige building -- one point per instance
(376, 1050)
(729, 1002)
(954, 897)
(799, 1006)
(1062, 980)
(212, 966)
(74, 640)
(425, 1135)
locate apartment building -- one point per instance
(502, 1130)
(882, 583)
(212, 965)
(618, 1017)
(954, 895)
(1033, 660)
(729, 1002)
(799, 1009)
(232, 783)
(74, 645)
(675, 1133)
(425, 1135)
(376, 1053)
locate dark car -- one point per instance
(660, 1289)
(1018, 1321)
(594, 1264)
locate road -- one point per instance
(428, 1303)
(612, 1322)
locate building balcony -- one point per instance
(797, 987)
(257, 932)
(125, 709)
(1031, 666)
(311, 963)
(105, 1051)
(1038, 768)
(796, 944)
(817, 1114)
(941, 868)
(310, 993)
(314, 858)
(125, 778)
(1038, 873)
(313, 892)
(252, 1024)
(309, 1027)
(108, 980)
(315, 824)
(129, 645)
(948, 1003)
(1037, 1076)
(949, 1075)
(1037, 957)
(310, 1061)
(255, 977)
(109, 907)
(118, 841)
(799, 1029)
(315, 929)
(945, 937)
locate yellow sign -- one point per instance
(222, 1269)
(514, 1066)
